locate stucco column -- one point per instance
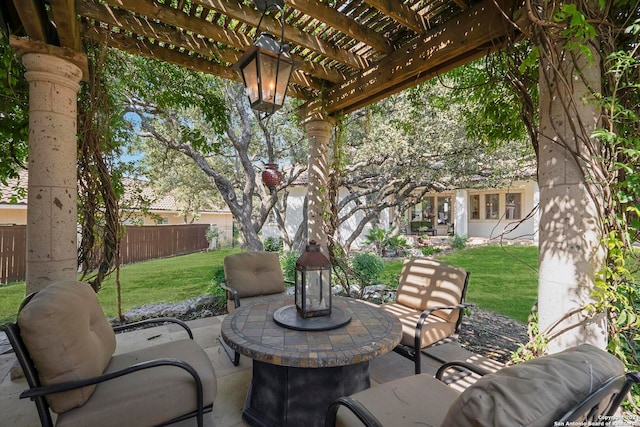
(461, 223)
(318, 134)
(571, 252)
(52, 190)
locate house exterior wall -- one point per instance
(481, 224)
(17, 214)
(13, 214)
(446, 209)
(223, 221)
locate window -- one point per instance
(513, 206)
(415, 213)
(474, 206)
(444, 210)
(492, 208)
(427, 208)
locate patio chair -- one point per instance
(250, 277)
(580, 386)
(429, 303)
(65, 346)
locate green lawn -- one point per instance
(503, 280)
(162, 280)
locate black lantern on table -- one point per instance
(313, 283)
(266, 66)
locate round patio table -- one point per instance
(297, 374)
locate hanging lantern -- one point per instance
(271, 176)
(313, 283)
(266, 66)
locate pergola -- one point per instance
(352, 53)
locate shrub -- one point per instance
(428, 250)
(459, 242)
(398, 244)
(288, 264)
(218, 277)
(367, 267)
(272, 244)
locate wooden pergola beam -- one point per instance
(64, 14)
(174, 56)
(172, 36)
(251, 16)
(474, 28)
(401, 13)
(126, 14)
(34, 18)
(342, 23)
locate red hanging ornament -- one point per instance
(271, 176)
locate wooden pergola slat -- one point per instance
(351, 52)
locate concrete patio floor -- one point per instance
(233, 381)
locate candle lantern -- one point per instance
(313, 283)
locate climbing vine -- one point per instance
(99, 181)
(588, 39)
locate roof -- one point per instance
(7, 192)
(164, 203)
(354, 52)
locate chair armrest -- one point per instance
(363, 414)
(458, 364)
(156, 321)
(427, 313)
(72, 385)
(231, 292)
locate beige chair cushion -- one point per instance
(68, 338)
(426, 283)
(167, 391)
(535, 393)
(434, 329)
(254, 273)
(418, 400)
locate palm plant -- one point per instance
(380, 238)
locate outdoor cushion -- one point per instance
(426, 283)
(434, 329)
(68, 338)
(254, 273)
(117, 402)
(535, 393)
(417, 400)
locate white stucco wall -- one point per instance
(493, 228)
(461, 211)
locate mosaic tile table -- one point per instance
(297, 374)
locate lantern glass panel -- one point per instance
(268, 65)
(250, 77)
(284, 72)
(315, 290)
(298, 281)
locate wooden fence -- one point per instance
(139, 244)
(13, 253)
(161, 241)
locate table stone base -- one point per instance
(291, 396)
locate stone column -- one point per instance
(571, 251)
(318, 134)
(52, 191)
